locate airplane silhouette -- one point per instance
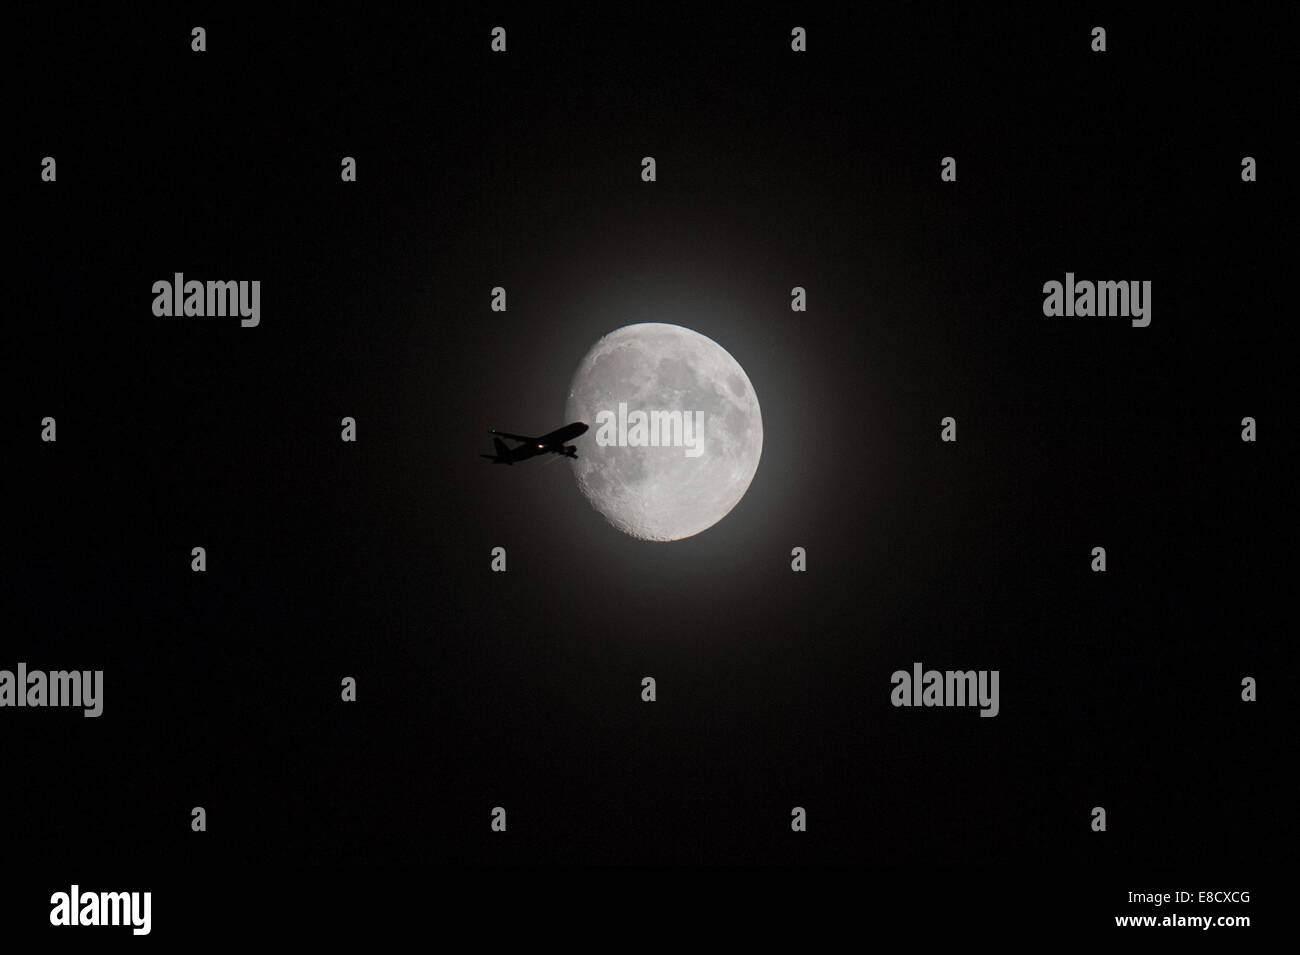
(531, 447)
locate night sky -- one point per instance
(522, 689)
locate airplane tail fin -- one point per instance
(503, 453)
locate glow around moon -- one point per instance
(655, 477)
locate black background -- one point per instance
(522, 690)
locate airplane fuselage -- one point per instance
(529, 447)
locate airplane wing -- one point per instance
(513, 437)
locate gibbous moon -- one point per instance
(658, 475)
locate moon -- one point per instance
(665, 490)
